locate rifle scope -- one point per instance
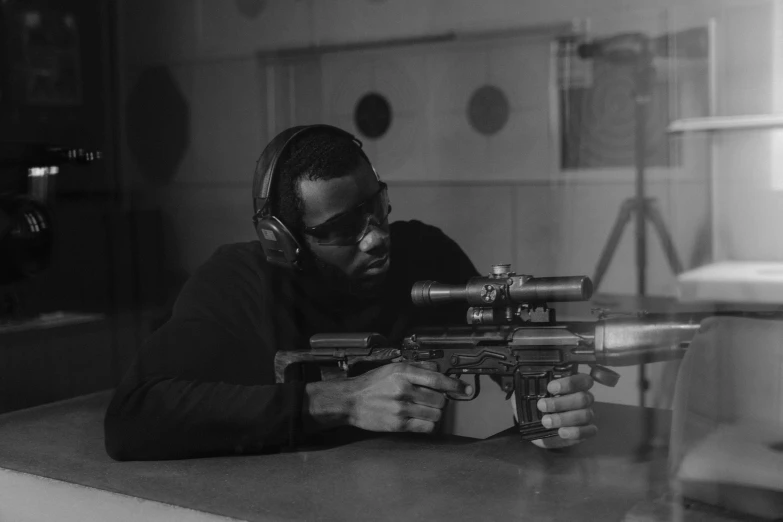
(495, 291)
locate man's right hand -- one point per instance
(401, 397)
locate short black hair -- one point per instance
(318, 154)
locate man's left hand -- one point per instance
(570, 411)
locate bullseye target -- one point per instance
(599, 120)
(488, 110)
(384, 105)
(373, 115)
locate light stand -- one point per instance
(636, 49)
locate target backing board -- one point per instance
(381, 97)
(467, 111)
(599, 116)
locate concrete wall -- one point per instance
(503, 199)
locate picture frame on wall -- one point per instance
(43, 55)
(54, 70)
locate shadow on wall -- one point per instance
(157, 124)
(157, 127)
(159, 269)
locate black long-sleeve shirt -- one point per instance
(204, 383)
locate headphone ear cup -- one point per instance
(280, 246)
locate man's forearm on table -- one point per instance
(170, 418)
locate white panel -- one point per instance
(521, 67)
(457, 151)
(400, 152)
(538, 212)
(345, 121)
(522, 150)
(455, 72)
(744, 45)
(307, 91)
(747, 210)
(397, 76)
(732, 281)
(689, 222)
(751, 230)
(346, 78)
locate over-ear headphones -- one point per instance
(281, 246)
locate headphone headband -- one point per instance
(280, 245)
(266, 166)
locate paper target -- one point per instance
(599, 121)
(488, 110)
(377, 95)
(373, 115)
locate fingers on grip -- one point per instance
(573, 401)
(578, 432)
(569, 418)
(571, 384)
(434, 380)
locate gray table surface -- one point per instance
(389, 477)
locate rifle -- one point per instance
(513, 336)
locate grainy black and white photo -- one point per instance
(391, 260)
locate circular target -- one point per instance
(488, 110)
(372, 115)
(607, 123)
(250, 8)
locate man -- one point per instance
(328, 261)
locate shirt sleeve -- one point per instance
(450, 260)
(203, 384)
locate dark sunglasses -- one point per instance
(351, 226)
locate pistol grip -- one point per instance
(530, 385)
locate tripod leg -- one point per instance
(623, 217)
(654, 214)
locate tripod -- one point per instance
(636, 50)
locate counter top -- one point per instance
(388, 477)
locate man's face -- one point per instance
(357, 268)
